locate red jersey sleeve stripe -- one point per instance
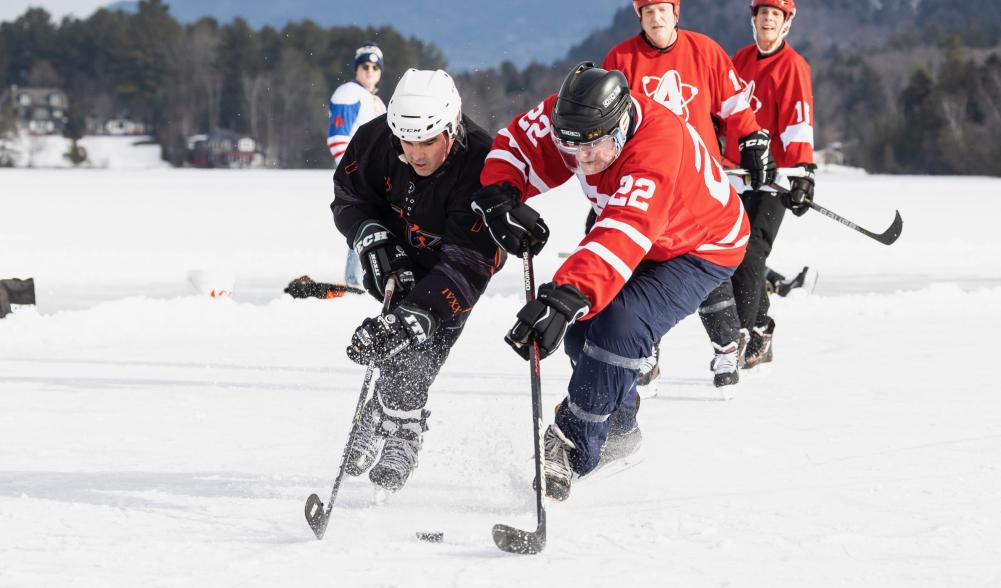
(799, 133)
(733, 105)
(508, 157)
(533, 178)
(630, 231)
(608, 257)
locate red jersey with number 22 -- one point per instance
(663, 197)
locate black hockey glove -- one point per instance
(756, 158)
(382, 256)
(515, 227)
(379, 338)
(547, 318)
(800, 194)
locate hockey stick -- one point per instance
(316, 515)
(781, 184)
(343, 289)
(506, 537)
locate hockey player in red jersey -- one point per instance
(692, 75)
(778, 79)
(669, 229)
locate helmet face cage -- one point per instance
(595, 156)
(590, 119)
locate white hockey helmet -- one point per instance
(424, 105)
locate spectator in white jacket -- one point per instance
(353, 104)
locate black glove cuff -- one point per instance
(371, 234)
(565, 299)
(495, 199)
(420, 324)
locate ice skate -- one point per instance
(759, 348)
(556, 468)
(366, 443)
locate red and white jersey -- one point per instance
(351, 106)
(665, 196)
(782, 98)
(694, 78)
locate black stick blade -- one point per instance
(316, 516)
(517, 541)
(893, 233)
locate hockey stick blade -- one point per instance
(316, 516)
(781, 184)
(517, 541)
(887, 237)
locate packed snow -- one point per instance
(152, 435)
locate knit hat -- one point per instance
(369, 53)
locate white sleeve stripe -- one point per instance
(509, 157)
(608, 257)
(801, 133)
(718, 247)
(736, 226)
(533, 179)
(630, 231)
(733, 105)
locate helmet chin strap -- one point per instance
(782, 34)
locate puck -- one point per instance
(430, 536)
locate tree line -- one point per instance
(187, 79)
(891, 110)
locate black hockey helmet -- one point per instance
(590, 103)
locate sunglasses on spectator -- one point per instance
(371, 66)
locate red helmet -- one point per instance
(638, 4)
(786, 6)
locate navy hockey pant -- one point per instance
(607, 350)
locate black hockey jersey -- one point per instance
(453, 253)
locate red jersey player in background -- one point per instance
(692, 76)
(669, 229)
(779, 80)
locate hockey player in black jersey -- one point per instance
(402, 199)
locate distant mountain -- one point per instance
(472, 35)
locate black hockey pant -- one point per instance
(404, 379)
(743, 302)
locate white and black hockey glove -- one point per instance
(547, 318)
(800, 193)
(756, 158)
(514, 226)
(382, 256)
(379, 338)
